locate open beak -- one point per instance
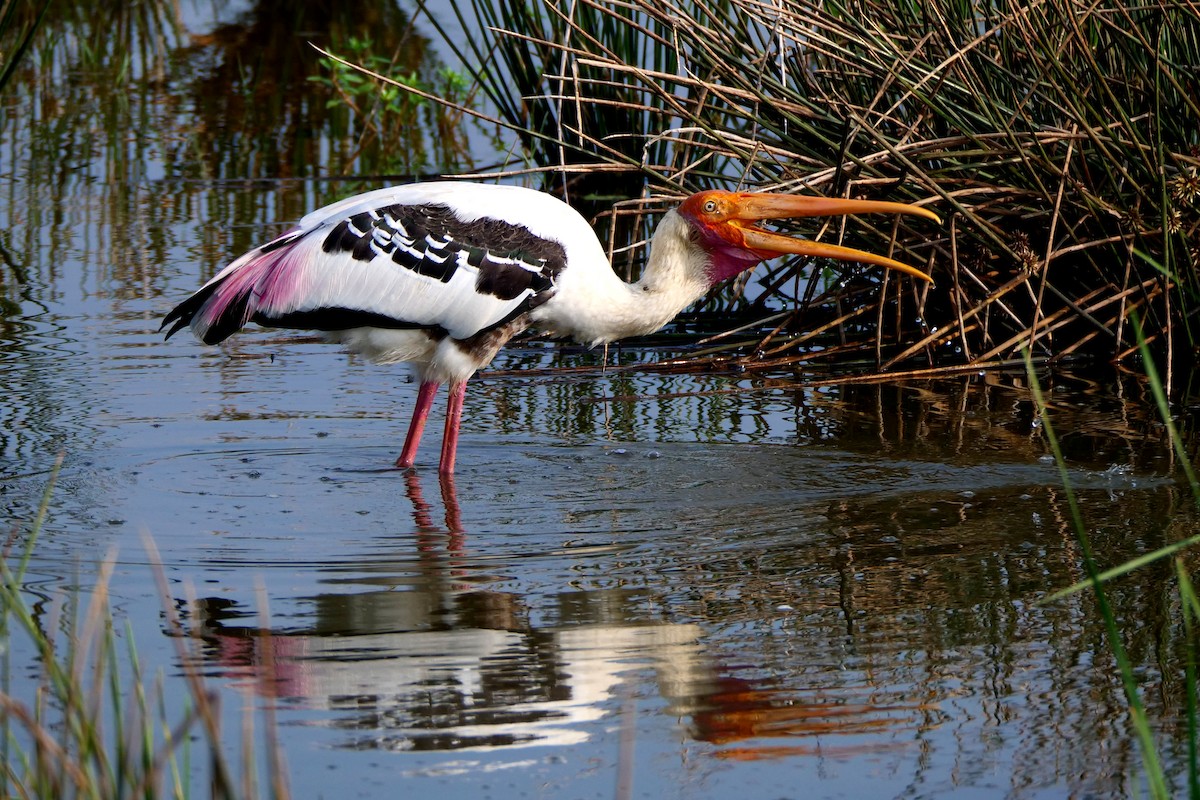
(753, 207)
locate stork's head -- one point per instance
(724, 224)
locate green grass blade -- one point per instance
(1191, 614)
(1123, 568)
(1151, 763)
(1164, 406)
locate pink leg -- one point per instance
(425, 397)
(453, 422)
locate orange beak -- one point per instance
(736, 213)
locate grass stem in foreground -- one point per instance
(1137, 712)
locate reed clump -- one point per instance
(1059, 140)
(94, 725)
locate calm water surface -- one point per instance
(638, 583)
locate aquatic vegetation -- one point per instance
(1188, 606)
(23, 32)
(398, 117)
(1059, 139)
(924, 586)
(96, 726)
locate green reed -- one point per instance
(1191, 616)
(1155, 775)
(1189, 602)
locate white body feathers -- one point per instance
(445, 290)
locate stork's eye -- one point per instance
(710, 207)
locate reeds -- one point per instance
(1058, 139)
(96, 727)
(1156, 775)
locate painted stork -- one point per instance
(444, 274)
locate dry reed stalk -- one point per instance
(1056, 138)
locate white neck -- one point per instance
(594, 306)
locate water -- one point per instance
(638, 584)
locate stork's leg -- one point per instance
(453, 422)
(425, 397)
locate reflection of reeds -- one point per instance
(21, 32)
(120, 86)
(1059, 137)
(270, 107)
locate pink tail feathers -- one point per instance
(265, 281)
